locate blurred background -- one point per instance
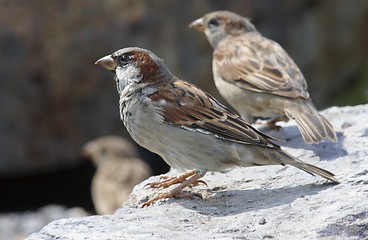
(53, 99)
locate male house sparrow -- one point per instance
(258, 78)
(119, 169)
(186, 126)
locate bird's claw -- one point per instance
(170, 194)
(166, 181)
(198, 182)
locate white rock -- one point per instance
(271, 202)
(16, 226)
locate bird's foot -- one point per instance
(187, 179)
(170, 194)
(166, 181)
(270, 124)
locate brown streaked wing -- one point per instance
(258, 64)
(185, 105)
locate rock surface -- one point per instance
(271, 202)
(17, 226)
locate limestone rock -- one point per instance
(17, 226)
(272, 202)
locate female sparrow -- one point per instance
(258, 78)
(186, 126)
(119, 169)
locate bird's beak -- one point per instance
(197, 25)
(107, 62)
(86, 150)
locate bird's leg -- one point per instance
(177, 192)
(166, 181)
(271, 123)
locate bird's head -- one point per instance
(135, 67)
(220, 24)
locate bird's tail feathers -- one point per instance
(309, 168)
(312, 125)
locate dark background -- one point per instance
(53, 98)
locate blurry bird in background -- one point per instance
(258, 78)
(119, 169)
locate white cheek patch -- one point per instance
(127, 75)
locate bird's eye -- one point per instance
(125, 58)
(213, 23)
(103, 151)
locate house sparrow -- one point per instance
(186, 126)
(119, 169)
(258, 78)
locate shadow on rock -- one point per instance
(353, 225)
(326, 150)
(232, 202)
